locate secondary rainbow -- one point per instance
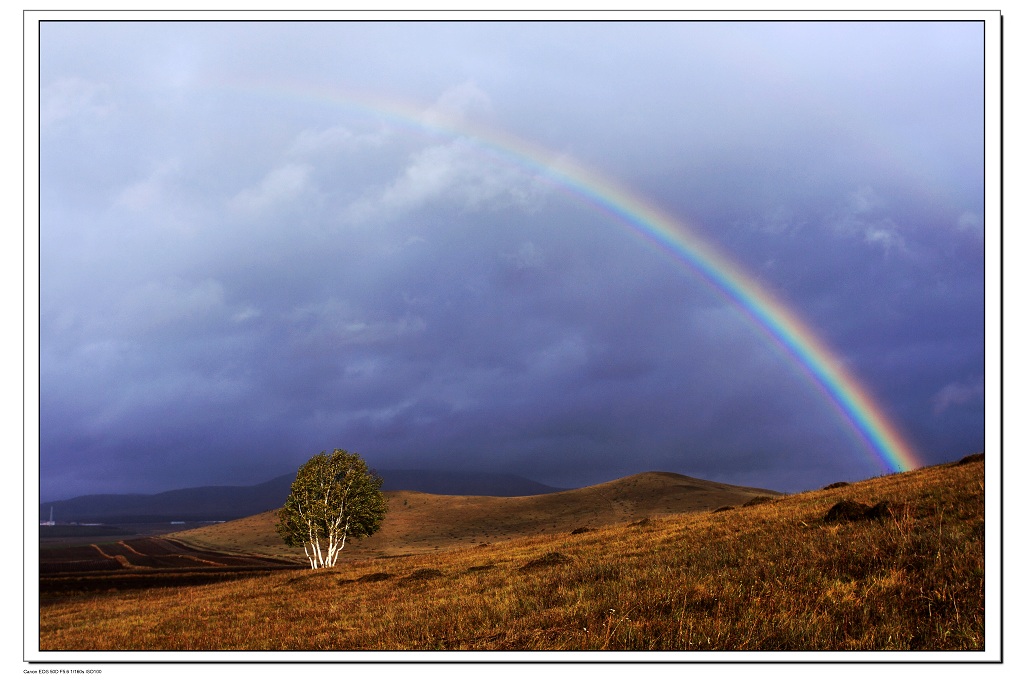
(776, 321)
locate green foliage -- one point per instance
(334, 498)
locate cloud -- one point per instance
(971, 223)
(862, 218)
(333, 324)
(149, 193)
(457, 104)
(171, 305)
(526, 257)
(864, 200)
(958, 394)
(883, 233)
(779, 220)
(458, 173)
(74, 98)
(246, 313)
(279, 186)
(334, 140)
(565, 355)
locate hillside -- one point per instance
(420, 522)
(788, 574)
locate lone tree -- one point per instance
(334, 497)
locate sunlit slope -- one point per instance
(420, 522)
(786, 575)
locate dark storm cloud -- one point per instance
(233, 278)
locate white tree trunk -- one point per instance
(336, 537)
(312, 561)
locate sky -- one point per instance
(431, 243)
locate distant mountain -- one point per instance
(462, 483)
(224, 503)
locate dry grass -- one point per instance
(774, 576)
(420, 522)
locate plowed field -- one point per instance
(142, 563)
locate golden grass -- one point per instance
(420, 522)
(769, 577)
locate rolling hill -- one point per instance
(422, 522)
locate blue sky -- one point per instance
(256, 243)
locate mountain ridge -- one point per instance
(229, 502)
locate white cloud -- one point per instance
(457, 103)
(526, 257)
(958, 393)
(333, 322)
(885, 234)
(862, 218)
(248, 312)
(163, 304)
(431, 173)
(971, 223)
(147, 193)
(279, 186)
(564, 355)
(458, 172)
(334, 140)
(70, 98)
(777, 221)
(140, 195)
(864, 200)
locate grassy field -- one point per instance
(418, 522)
(773, 576)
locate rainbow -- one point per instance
(775, 320)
